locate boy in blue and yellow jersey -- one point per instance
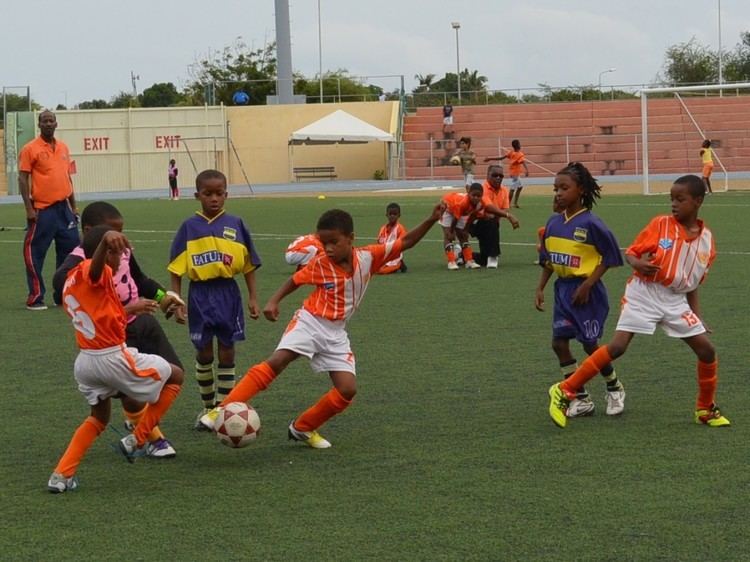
(210, 248)
(579, 248)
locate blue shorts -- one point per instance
(215, 311)
(584, 323)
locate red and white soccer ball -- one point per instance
(237, 425)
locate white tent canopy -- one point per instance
(339, 127)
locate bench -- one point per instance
(315, 172)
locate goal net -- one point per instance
(676, 121)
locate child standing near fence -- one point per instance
(707, 156)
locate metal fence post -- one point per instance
(567, 148)
(432, 159)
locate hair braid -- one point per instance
(581, 175)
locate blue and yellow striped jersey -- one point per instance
(205, 249)
(575, 246)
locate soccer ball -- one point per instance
(237, 425)
(455, 161)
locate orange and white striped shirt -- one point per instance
(303, 249)
(684, 260)
(337, 293)
(388, 233)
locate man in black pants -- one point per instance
(486, 229)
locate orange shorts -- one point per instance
(707, 169)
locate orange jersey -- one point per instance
(497, 198)
(390, 234)
(49, 169)
(684, 261)
(516, 159)
(305, 244)
(459, 205)
(337, 293)
(98, 315)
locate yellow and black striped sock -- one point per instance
(204, 374)
(225, 377)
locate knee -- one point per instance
(348, 392)
(560, 346)
(707, 352)
(616, 349)
(177, 376)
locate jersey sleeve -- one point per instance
(647, 240)
(25, 160)
(383, 253)
(253, 261)
(178, 258)
(606, 244)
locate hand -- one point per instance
(252, 306)
(271, 311)
(645, 268)
(437, 212)
(487, 159)
(539, 300)
(31, 214)
(180, 314)
(581, 294)
(526, 175)
(115, 241)
(513, 221)
(142, 306)
(169, 302)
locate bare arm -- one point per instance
(692, 299)
(271, 310)
(543, 279)
(525, 167)
(24, 190)
(641, 265)
(112, 241)
(180, 311)
(411, 238)
(252, 296)
(495, 210)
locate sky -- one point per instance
(68, 52)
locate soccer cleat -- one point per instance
(36, 306)
(58, 484)
(491, 263)
(452, 265)
(128, 446)
(615, 401)
(711, 417)
(207, 420)
(580, 407)
(310, 438)
(558, 405)
(471, 264)
(199, 425)
(160, 449)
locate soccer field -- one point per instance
(447, 453)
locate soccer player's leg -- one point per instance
(63, 478)
(706, 411)
(333, 402)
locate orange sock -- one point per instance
(451, 255)
(155, 411)
(135, 418)
(588, 369)
(257, 378)
(82, 439)
(467, 254)
(707, 380)
(330, 404)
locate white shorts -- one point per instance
(646, 305)
(324, 342)
(515, 183)
(447, 221)
(103, 373)
(468, 178)
(448, 120)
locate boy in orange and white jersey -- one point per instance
(318, 329)
(302, 250)
(106, 367)
(671, 257)
(390, 232)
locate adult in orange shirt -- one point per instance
(51, 212)
(486, 229)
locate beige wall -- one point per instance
(261, 134)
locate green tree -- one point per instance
(337, 85)
(425, 83)
(214, 79)
(124, 99)
(93, 104)
(690, 62)
(161, 94)
(737, 61)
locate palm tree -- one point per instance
(425, 82)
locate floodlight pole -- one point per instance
(320, 56)
(721, 61)
(456, 25)
(600, 79)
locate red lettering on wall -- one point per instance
(167, 141)
(95, 143)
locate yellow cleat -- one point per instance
(310, 438)
(208, 419)
(558, 405)
(711, 417)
